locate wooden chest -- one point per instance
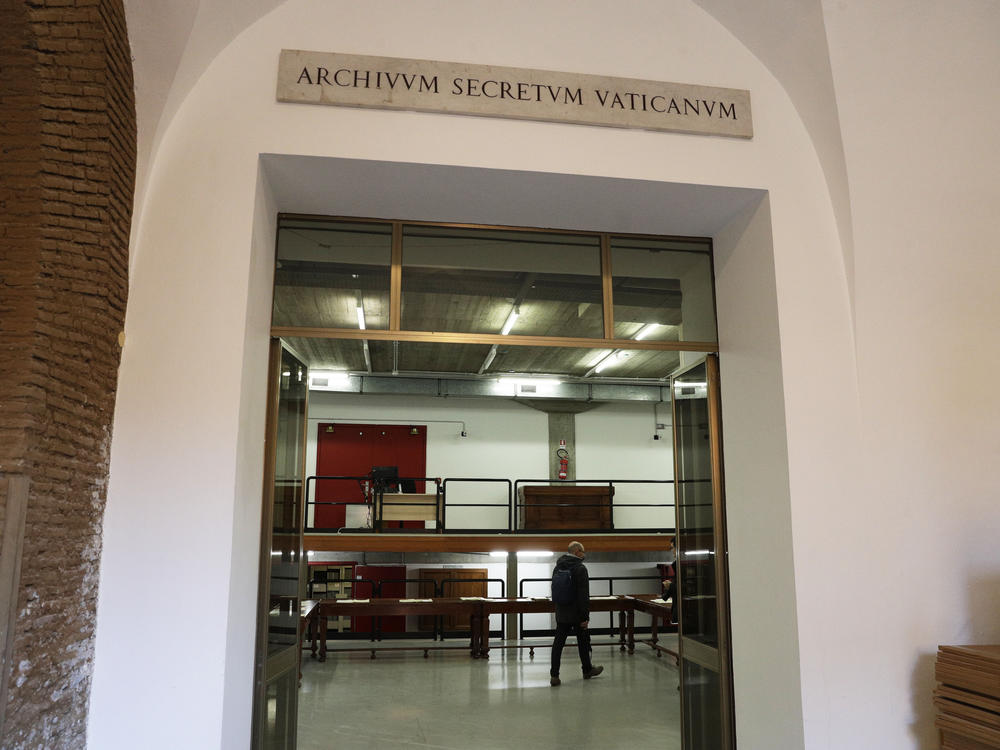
(564, 507)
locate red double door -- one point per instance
(351, 450)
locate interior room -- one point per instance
(548, 418)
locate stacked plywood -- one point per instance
(968, 697)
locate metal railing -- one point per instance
(517, 510)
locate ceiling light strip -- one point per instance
(511, 320)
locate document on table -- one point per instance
(353, 601)
(660, 601)
(415, 600)
(595, 598)
(472, 598)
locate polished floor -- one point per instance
(450, 701)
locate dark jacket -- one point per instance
(579, 609)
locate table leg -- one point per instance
(474, 634)
(631, 631)
(484, 635)
(321, 626)
(621, 630)
(298, 650)
(313, 635)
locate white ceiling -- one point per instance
(376, 189)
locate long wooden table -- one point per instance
(377, 607)
(478, 610)
(620, 604)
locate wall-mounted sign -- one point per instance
(491, 91)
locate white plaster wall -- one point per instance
(179, 482)
(505, 441)
(615, 441)
(917, 536)
(510, 440)
(758, 504)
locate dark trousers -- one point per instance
(563, 629)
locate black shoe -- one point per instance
(554, 681)
(594, 671)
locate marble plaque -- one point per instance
(492, 91)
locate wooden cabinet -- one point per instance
(464, 586)
(564, 507)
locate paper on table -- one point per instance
(416, 600)
(472, 598)
(352, 601)
(603, 597)
(524, 599)
(660, 601)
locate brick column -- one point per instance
(67, 168)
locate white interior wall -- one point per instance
(758, 503)
(507, 440)
(177, 491)
(615, 441)
(924, 512)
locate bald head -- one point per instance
(575, 548)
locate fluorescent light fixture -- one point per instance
(361, 318)
(645, 331)
(541, 382)
(604, 363)
(678, 384)
(616, 356)
(511, 319)
(698, 553)
(328, 379)
(601, 356)
(525, 553)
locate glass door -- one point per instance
(281, 562)
(705, 665)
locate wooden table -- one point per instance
(376, 607)
(645, 603)
(478, 610)
(623, 605)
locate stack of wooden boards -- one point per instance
(968, 697)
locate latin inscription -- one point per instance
(362, 81)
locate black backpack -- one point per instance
(563, 589)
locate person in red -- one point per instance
(571, 595)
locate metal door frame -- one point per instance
(688, 649)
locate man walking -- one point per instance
(571, 595)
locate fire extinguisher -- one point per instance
(563, 455)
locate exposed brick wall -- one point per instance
(67, 167)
